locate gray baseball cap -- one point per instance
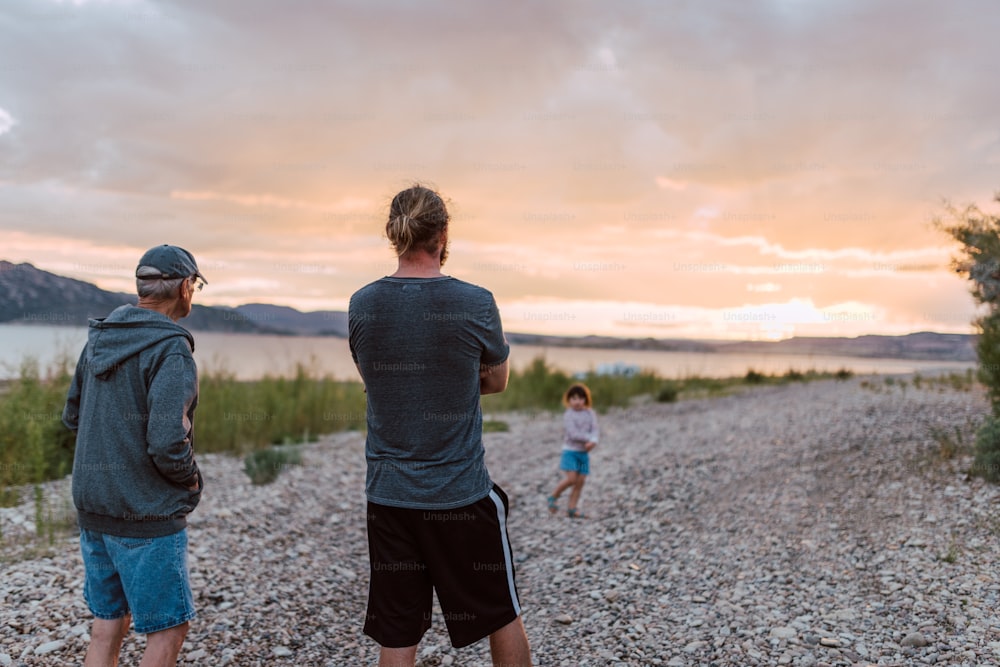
(170, 261)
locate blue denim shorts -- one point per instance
(572, 461)
(147, 576)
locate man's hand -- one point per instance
(590, 445)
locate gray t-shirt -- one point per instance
(419, 343)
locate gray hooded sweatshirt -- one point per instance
(132, 405)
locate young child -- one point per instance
(580, 428)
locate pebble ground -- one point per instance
(824, 524)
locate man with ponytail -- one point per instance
(427, 345)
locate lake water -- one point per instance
(251, 356)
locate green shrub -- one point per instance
(239, 416)
(537, 387)
(34, 444)
(668, 393)
(793, 375)
(753, 377)
(845, 374)
(978, 235)
(986, 463)
(264, 465)
(950, 444)
(232, 416)
(495, 426)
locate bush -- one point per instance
(845, 374)
(988, 351)
(34, 444)
(495, 426)
(541, 387)
(237, 416)
(668, 393)
(753, 377)
(264, 465)
(232, 416)
(986, 463)
(978, 235)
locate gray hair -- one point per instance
(151, 286)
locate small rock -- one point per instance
(49, 647)
(195, 656)
(282, 651)
(829, 642)
(565, 619)
(783, 632)
(914, 639)
(5, 660)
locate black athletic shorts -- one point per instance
(463, 554)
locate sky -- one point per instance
(736, 169)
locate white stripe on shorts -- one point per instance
(502, 515)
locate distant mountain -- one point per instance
(613, 343)
(921, 345)
(315, 323)
(31, 296)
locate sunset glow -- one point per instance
(752, 170)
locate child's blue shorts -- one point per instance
(147, 576)
(578, 462)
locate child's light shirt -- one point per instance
(580, 427)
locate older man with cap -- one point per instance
(135, 479)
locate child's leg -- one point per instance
(569, 481)
(574, 496)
